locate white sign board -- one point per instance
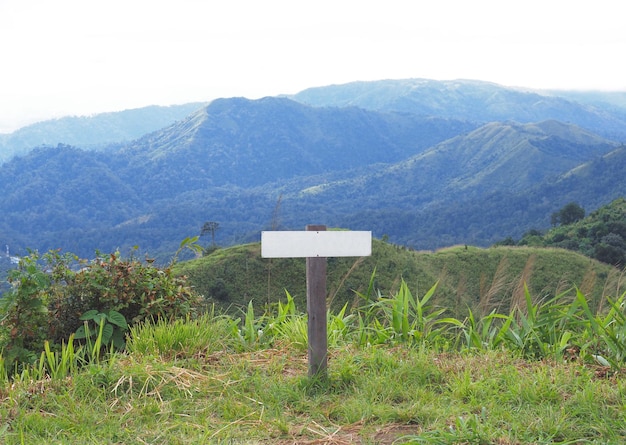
(311, 243)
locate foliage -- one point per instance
(559, 327)
(564, 326)
(569, 214)
(56, 362)
(189, 381)
(399, 365)
(601, 235)
(287, 324)
(129, 287)
(404, 318)
(189, 243)
(23, 310)
(347, 166)
(182, 337)
(110, 324)
(55, 296)
(6, 265)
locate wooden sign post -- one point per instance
(316, 244)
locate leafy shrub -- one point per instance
(136, 290)
(601, 235)
(23, 311)
(50, 301)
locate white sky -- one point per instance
(75, 57)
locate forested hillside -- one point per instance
(92, 131)
(497, 156)
(251, 143)
(604, 114)
(600, 235)
(228, 162)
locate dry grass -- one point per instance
(518, 299)
(358, 433)
(355, 265)
(498, 285)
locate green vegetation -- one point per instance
(468, 277)
(514, 344)
(95, 131)
(532, 352)
(601, 235)
(398, 373)
(348, 167)
(51, 302)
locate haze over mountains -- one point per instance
(427, 163)
(93, 132)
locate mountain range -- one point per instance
(425, 163)
(93, 132)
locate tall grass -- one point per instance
(58, 363)
(182, 337)
(498, 284)
(403, 317)
(564, 326)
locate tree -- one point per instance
(569, 214)
(555, 218)
(210, 227)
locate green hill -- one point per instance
(482, 279)
(600, 235)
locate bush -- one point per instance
(51, 293)
(24, 314)
(136, 290)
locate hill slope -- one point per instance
(232, 161)
(224, 163)
(481, 279)
(600, 235)
(497, 181)
(92, 131)
(503, 156)
(250, 143)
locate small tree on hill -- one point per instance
(210, 227)
(569, 214)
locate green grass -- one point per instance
(264, 396)
(225, 379)
(468, 277)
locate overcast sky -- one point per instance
(76, 57)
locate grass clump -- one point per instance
(188, 337)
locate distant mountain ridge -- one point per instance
(426, 181)
(482, 101)
(93, 131)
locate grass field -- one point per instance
(398, 373)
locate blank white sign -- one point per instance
(311, 243)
